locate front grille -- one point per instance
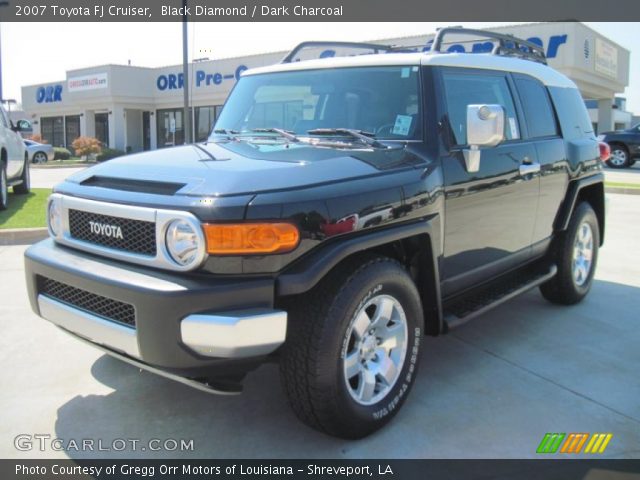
(134, 236)
(104, 307)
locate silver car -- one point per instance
(39, 152)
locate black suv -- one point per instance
(341, 209)
(625, 146)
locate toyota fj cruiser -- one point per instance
(341, 209)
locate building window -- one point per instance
(72, 128)
(205, 117)
(102, 127)
(170, 127)
(52, 130)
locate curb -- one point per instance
(22, 236)
(55, 167)
(623, 190)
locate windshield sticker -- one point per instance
(405, 72)
(402, 125)
(514, 128)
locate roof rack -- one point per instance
(377, 48)
(507, 45)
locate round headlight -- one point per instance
(183, 243)
(54, 218)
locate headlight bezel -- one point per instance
(171, 241)
(54, 204)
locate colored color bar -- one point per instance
(568, 444)
(591, 442)
(543, 443)
(606, 441)
(556, 442)
(583, 439)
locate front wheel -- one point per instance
(576, 254)
(353, 346)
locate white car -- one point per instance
(14, 162)
(39, 152)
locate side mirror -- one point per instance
(485, 128)
(23, 126)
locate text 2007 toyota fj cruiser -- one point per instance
(341, 209)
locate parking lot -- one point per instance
(490, 389)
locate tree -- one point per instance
(84, 146)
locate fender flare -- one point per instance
(305, 273)
(569, 204)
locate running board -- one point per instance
(202, 385)
(464, 307)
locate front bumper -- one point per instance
(190, 325)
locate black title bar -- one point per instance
(318, 10)
(315, 469)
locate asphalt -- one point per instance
(490, 389)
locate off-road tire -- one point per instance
(562, 288)
(312, 358)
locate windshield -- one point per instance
(382, 101)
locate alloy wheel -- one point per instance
(582, 254)
(376, 349)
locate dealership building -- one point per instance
(136, 108)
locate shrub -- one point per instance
(84, 146)
(108, 154)
(61, 153)
(36, 137)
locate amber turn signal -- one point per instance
(250, 238)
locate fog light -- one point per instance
(182, 242)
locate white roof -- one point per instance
(544, 73)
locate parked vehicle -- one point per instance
(14, 164)
(39, 152)
(625, 146)
(341, 209)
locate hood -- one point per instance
(240, 167)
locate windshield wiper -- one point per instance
(283, 133)
(362, 136)
(230, 134)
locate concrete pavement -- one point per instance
(48, 177)
(490, 389)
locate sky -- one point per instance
(43, 52)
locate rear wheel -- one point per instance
(619, 157)
(40, 157)
(352, 349)
(576, 256)
(24, 187)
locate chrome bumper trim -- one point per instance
(237, 334)
(91, 327)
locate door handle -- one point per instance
(529, 168)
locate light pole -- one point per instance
(185, 75)
(2, 4)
